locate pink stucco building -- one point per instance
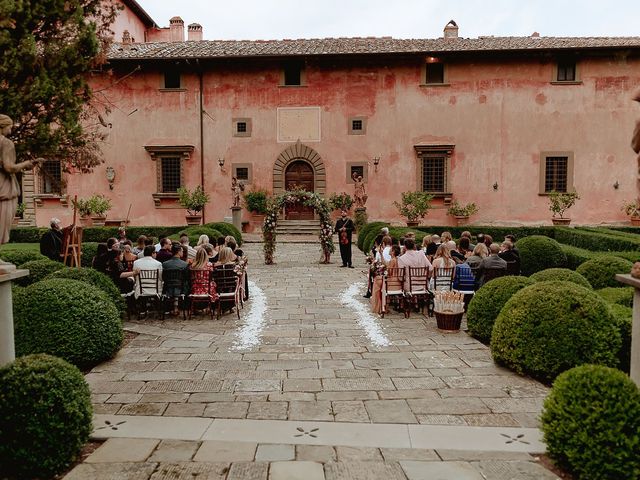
(499, 121)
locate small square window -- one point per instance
(435, 73)
(566, 71)
(172, 79)
(241, 127)
(242, 173)
(293, 73)
(356, 125)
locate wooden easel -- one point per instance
(72, 241)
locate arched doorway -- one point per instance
(299, 176)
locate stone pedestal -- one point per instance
(7, 346)
(635, 328)
(236, 216)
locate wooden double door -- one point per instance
(299, 175)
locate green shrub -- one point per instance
(488, 301)
(67, 318)
(26, 234)
(601, 271)
(227, 229)
(550, 327)
(89, 250)
(597, 241)
(591, 423)
(19, 257)
(560, 275)
(576, 256)
(370, 239)
(621, 296)
(632, 256)
(95, 278)
(360, 219)
(45, 416)
(539, 253)
(624, 319)
(38, 269)
(362, 233)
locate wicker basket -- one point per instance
(449, 321)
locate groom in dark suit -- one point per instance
(344, 229)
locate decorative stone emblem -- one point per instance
(303, 432)
(516, 439)
(111, 426)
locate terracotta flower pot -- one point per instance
(461, 219)
(86, 221)
(561, 221)
(98, 221)
(635, 221)
(194, 219)
(413, 224)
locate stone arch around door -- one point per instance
(294, 153)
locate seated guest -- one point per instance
(492, 262)
(385, 252)
(384, 231)
(164, 253)
(442, 258)
(220, 243)
(139, 248)
(464, 247)
(479, 253)
(159, 244)
(445, 237)
(128, 256)
(453, 251)
(201, 262)
(426, 241)
(509, 255)
(147, 262)
(467, 234)
(231, 243)
(184, 240)
(412, 258)
(210, 252)
(393, 282)
(225, 257)
(51, 241)
(176, 263)
(464, 278)
(488, 240)
(512, 239)
(480, 239)
(433, 246)
(99, 262)
(203, 239)
(147, 242)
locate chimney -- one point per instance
(176, 25)
(126, 37)
(451, 30)
(194, 32)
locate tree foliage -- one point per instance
(48, 49)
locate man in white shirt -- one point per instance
(148, 262)
(412, 258)
(191, 252)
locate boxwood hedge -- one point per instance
(539, 253)
(95, 278)
(562, 275)
(195, 232)
(69, 319)
(591, 423)
(601, 271)
(597, 241)
(621, 296)
(369, 227)
(45, 416)
(38, 269)
(624, 320)
(488, 301)
(226, 229)
(550, 327)
(18, 257)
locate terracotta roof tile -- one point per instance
(351, 46)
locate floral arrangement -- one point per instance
(340, 201)
(308, 199)
(241, 266)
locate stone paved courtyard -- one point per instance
(306, 350)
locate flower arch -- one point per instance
(308, 199)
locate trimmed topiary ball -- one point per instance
(195, 232)
(95, 278)
(560, 275)
(538, 252)
(227, 229)
(624, 320)
(621, 296)
(591, 423)
(550, 327)
(488, 301)
(601, 271)
(18, 257)
(67, 318)
(89, 250)
(45, 416)
(38, 269)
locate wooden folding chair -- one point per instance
(393, 289)
(443, 278)
(175, 287)
(489, 274)
(148, 289)
(227, 284)
(417, 293)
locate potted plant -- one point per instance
(256, 202)
(462, 212)
(99, 205)
(340, 201)
(19, 213)
(194, 202)
(414, 206)
(84, 210)
(632, 209)
(559, 202)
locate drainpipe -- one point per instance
(201, 139)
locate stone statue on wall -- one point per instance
(9, 187)
(236, 191)
(359, 194)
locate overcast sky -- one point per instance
(277, 19)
